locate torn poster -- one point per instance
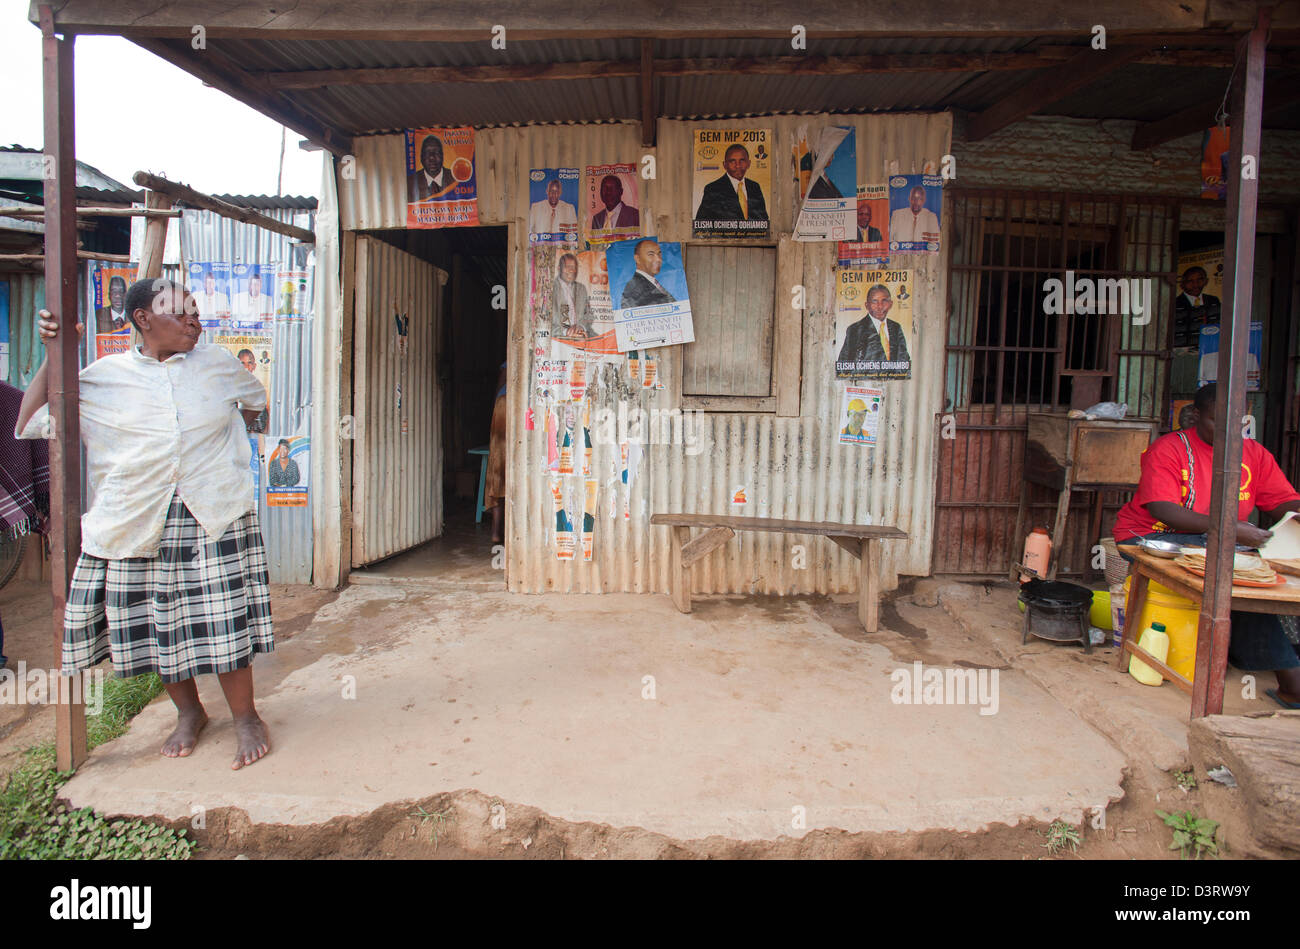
(871, 246)
(829, 209)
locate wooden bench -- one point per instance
(858, 539)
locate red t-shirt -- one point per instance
(1165, 478)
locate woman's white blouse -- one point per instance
(153, 429)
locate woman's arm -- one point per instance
(1183, 521)
(37, 393)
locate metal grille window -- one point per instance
(730, 366)
(1012, 348)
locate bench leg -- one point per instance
(680, 578)
(868, 586)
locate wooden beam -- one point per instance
(705, 544)
(26, 211)
(64, 405)
(467, 20)
(220, 73)
(1280, 94)
(196, 199)
(81, 255)
(1215, 623)
(1078, 72)
(647, 81)
(812, 65)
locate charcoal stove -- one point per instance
(1056, 611)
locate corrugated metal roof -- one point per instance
(363, 109)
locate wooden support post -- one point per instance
(1137, 598)
(680, 579)
(648, 117)
(155, 237)
(65, 411)
(1215, 623)
(868, 586)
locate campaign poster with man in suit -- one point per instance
(870, 249)
(829, 209)
(553, 205)
(873, 324)
(915, 203)
(647, 286)
(613, 206)
(441, 184)
(731, 182)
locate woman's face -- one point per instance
(172, 323)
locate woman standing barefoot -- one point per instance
(172, 575)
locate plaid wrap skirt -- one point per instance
(199, 606)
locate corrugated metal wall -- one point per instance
(209, 237)
(790, 467)
(397, 444)
(26, 297)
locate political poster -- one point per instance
(873, 324)
(564, 535)
(647, 284)
(287, 470)
(829, 208)
(441, 182)
(1200, 295)
(209, 283)
(292, 296)
(613, 207)
(580, 316)
(869, 247)
(1215, 154)
(731, 182)
(112, 323)
(255, 353)
(915, 203)
(591, 486)
(553, 205)
(1208, 364)
(252, 301)
(860, 415)
(4, 330)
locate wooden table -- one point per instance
(1283, 599)
(858, 539)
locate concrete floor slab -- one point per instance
(760, 707)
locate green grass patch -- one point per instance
(35, 826)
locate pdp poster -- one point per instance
(870, 245)
(287, 470)
(915, 203)
(860, 415)
(731, 181)
(613, 208)
(829, 209)
(210, 285)
(647, 283)
(441, 184)
(873, 324)
(553, 204)
(252, 306)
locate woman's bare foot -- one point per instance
(189, 722)
(253, 739)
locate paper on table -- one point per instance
(1285, 542)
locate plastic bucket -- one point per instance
(1180, 617)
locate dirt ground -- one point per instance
(467, 823)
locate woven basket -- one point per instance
(1116, 566)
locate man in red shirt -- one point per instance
(1172, 503)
